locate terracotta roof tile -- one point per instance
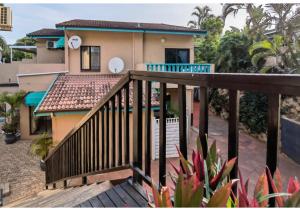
(125, 25)
(80, 92)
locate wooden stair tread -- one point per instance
(63, 197)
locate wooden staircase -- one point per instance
(68, 197)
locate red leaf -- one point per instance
(221, 196)
(262, 189)
(277, 180)
(293, 185)
(279, 199)
(198, 163)
(243, 199)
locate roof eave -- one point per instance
(191, 33)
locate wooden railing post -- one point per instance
(148, 128)
(107, 136)
(203, 119)
(182, 120)
(162, 135)
(113, 133)
(126, 125)
(273, 138)
(120, 150)
(233, 131)
(137, 132)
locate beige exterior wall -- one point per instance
(154, 48)
(62, 124)
(8, 73)
(40, 68)
(24, 124)
(36, 83)
(48, 56)
(135, 49)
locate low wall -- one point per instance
(290, 138)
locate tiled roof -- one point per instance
(125, 25)
(79, 92)
(46, 32)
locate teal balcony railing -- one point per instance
(186, 68)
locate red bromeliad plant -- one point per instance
(262, 193)
(206, 183)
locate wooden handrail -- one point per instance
(64, 162)
(115, 89)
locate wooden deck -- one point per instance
(121, 195)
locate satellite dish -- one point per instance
(116, 65)
(74, 42)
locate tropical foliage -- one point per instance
(200, 14)
(206, 183)
(12, 113)
(41, 145)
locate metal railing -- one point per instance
(185, 68)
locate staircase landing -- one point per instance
(121, 195)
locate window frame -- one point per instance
(90, 60)
(177, 49)
(31, 110)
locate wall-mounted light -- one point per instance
(163, 40)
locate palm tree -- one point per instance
(257, 22)
(262, 50)
(200, 13)
(14, 101)
(285, 18)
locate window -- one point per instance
(39, 124)
(177, 55)
(90, 58)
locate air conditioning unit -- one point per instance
(50, 44)
(5, 19)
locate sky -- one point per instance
(31, 17)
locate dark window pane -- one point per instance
(85, 58)
(39, 124)
(95, 58)
(182, 56)
(174, 55)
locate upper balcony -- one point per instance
(185, 68)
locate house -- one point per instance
(78, 53)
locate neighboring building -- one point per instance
(62, 91)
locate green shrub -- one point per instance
(218, 100)
(253, 111)
(41, 145)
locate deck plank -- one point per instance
(126, 198)
(121, 195)
(86, 204)
(117, 200)
(95, 202)
(105, 200)
(140, 200)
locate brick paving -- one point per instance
(252, 154)
(20, 170)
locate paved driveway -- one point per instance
(20, 170)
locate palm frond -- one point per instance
(265, 44)
(259, 56)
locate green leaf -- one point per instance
(293, 201)
(265, 44)
(259, 56)
(220, 197)
(213, 152)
